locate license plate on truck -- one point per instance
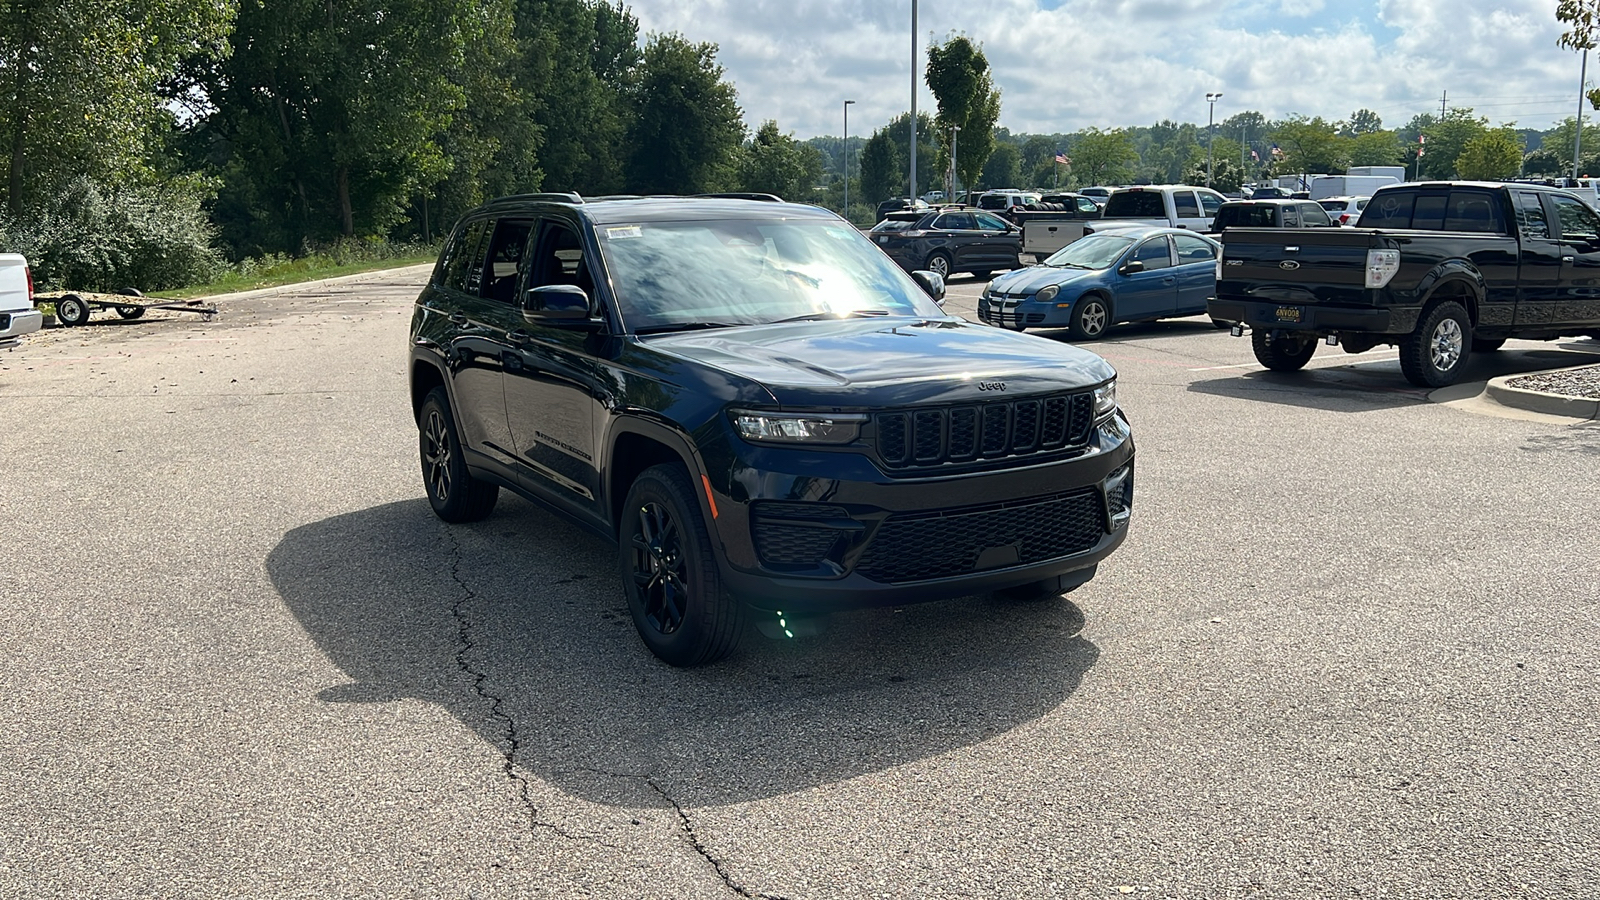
(1288, 314)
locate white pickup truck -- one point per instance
(17, 315)
(1172, 205)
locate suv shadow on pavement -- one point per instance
(517, 627)
(1373, 384)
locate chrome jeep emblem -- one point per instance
(1289, 264)
(991, 385)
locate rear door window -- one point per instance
(1530, 216)
(1184, 204)
(1193, 249)
(1211, 203)
(1153, 253)
(463, 267)
(954, 222)
(1473, 211)
(1136, 205)
(1314, 216)
(987, 222)
(506, 250)
(1291, 217)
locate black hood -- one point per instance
(887, 362)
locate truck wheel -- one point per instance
(939, 264)
(669, 574)
(1090, 318)
(130, 312)
(1436, 353)
(72, 310)
(1487, 345)
(1284, 353)
(452, 491)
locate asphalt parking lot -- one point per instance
(1347, 651)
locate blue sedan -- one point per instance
(1116, 275)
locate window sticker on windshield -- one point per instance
(623, 232)
(838, 234)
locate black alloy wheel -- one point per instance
(1091, 316)
(670, 577)
(1287, 353)
(453, 493)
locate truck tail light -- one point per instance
(29, 272)
(1381, 267)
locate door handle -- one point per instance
(1168, 280)
(1566, 259)
(458, 318)
(519, 335)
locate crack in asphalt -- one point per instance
(510, 742)
(686, 825)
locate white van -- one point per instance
(17, 315)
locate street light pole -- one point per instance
(1211, 118)
(847, 159)
(913, 145)
(954, 131)
(1577, 139)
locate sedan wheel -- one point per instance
(1090, 318)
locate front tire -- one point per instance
(72, 310)
(670, 577)
(453, 493)
(1091, 316)
(1436, 353)
(1284, 354)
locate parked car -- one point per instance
(1098, 194)
(1124, 275)
(17, 315)
(1344, 210)
(1270, 214)
(765, 414)
(950, 240)
(1440, 269)
(898, 205)
(1269, 192)
(1172, 205)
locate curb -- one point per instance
(1500, 391)
(419, 269)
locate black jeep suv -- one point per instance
(763, 411)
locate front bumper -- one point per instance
(1316, 319)
(14, 325)
(815, 531)
(1024, 312)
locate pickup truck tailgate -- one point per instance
(1314, 266)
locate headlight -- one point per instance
(1047, 293)
(1105, 399)
(985, 294)
(798, 428)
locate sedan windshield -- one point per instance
(1094, 251)
(668, 275)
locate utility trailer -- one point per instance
(74, 308)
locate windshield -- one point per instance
(1095, 251)
(751, 272)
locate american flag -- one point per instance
(1277, 151)
(1063, 159)
(1421, 140)
(1254, 155)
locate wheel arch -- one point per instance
(634, 446)
(1456, 281)
(425, 376)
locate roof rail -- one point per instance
(552, 197)
(740, 195)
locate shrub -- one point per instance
(88, 236)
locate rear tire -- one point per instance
(453, 493)
(669, 574)
(1285, 354)
(1436, 353)
(939, 264)
(130, 312)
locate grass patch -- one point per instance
(276, 271)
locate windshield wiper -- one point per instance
(819, 316)
(687, 326)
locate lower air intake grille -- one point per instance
(944, 544)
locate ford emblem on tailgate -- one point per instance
(1289, 264)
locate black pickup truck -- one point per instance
(1440, 269)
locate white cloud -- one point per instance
(1110, 63)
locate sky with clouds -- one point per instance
(1064, 65)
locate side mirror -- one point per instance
(1132, 267)
(559, 302)
(932, 284)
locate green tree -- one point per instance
(1226, 174)
(687, 124)
(1558, 140)
(883, 172)
(1543, 162)
(958, 75)
(1375, 148)
(1492, 156)
(1004, 168)
(81, 84)
(1103, 157)
(1309, 146)
(1362, 121)
(1446, 139)
(1165, 149)
(776, 163)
